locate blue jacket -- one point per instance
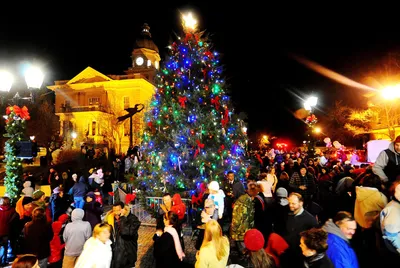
(339, 250)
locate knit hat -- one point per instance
(26, 200)
(281, 192)
(37, 194)
(254, 240)
(91, 195)
(397, 140)
(213, 186)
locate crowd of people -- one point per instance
(70, 228)
(295, 211)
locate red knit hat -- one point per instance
(254, 240)
(397, 140)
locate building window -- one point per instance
(126, 102)
(94, 128)
(94, 101)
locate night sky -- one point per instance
(255, 42)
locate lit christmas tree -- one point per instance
(191, 134)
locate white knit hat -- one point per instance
(213, 186)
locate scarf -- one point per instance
(178, 248)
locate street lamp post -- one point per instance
(33, 78)
(311, 120)
(15, 127)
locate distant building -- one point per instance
(89, 104)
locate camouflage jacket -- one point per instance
(242, 217)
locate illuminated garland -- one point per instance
(15, 128)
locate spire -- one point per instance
(146, 30)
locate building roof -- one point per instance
(145, 41)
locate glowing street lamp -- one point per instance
(310, 103)
(391, 92)
(33, 78)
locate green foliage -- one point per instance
(15, 130)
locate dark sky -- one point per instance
(255, 42)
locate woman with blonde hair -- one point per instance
(214, 251)
(97, 249)
(26, 261)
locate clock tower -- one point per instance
(145, 55)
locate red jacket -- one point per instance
(55, 243)
(7, 215)
(178, 206)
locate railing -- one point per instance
(89, 108)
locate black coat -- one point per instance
(93, 211)
(37, 237)
(165, 253)
(126, 242)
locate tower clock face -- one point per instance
(139, 61)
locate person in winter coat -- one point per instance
(313, 246)
(37, 236)
(168, 252)
(93, 210)
(125, 235)
(56, 248)
(97, 250)
(390, 223)
(340, 230)
(7, 216)
(59, 202)
(75, 235)
(368, 199)
(78, 191)
(214, 251)
(387, 164)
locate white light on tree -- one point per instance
(34, 77)
(189, 22)
(6, 81)
(32, 137)
(74, 135)
(244, 129)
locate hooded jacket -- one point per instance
(79, 189)
(390, 225)
(339, 250)
(387, 164)
(55, 244)
(368, 199)
(178, 206)
(76, 233)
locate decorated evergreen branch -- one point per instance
(15, 129)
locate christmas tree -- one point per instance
(191, 133)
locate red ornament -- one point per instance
(199, 147)
(215, 101)
(182, 101)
